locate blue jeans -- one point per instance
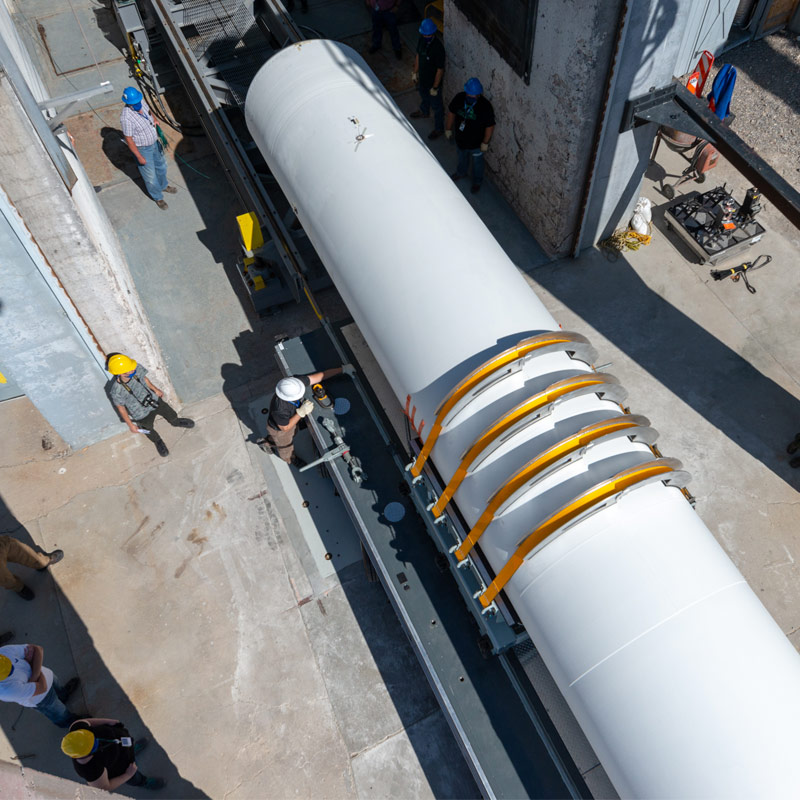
(427, 103)
(462, 167)
(154, 171)
(52, 706)
(381, 20)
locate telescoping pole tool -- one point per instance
(740, 271)
(340, 448)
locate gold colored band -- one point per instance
(659, 469)
(625, 424)
(551, 341)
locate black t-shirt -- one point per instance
(431, 58)
(281, 411)
(471, 121)
(110, 755)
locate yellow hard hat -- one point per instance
(5, 667)
(119, 364)
(77, 744)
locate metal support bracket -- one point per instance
(66, 102)
(658, 106)
(676, 107)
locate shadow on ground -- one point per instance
(719, 384)
(51, 621)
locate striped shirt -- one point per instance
(139, 125)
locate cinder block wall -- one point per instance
(541, 146)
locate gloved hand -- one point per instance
(448, 135)
(414, 77)
(349, 369)
(434, 91)
(484, 146)
(306, 407)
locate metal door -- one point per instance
(8, 388)
(707, 28)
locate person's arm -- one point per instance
(35, 660)
(437, 78)
(123, 412)
(487, 135)
(416, 64)
(98, 721)
(110, 784)
(135, 150)
(317, 377)
(149, 385)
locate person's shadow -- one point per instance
(119, 155)
(51, 621)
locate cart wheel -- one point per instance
(701, 178)
(669, 191)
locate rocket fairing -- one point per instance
(681, 680)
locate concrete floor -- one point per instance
(192, 601)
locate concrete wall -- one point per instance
(71, 232)
(540, 150)
(43, 348)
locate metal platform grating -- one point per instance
(224, 37)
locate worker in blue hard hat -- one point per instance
(141, 136)
(428, 73)
(384, 16)
(471, 117)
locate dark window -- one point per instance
(508, 27)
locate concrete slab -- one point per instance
(382, 771)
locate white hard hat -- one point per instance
(290, 389)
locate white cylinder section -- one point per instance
(683, 683)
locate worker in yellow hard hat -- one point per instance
(25, 680)
(103, 753)
(139, 402)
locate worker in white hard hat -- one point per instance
(288, 407)
(25, 680)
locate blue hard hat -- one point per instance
(428, 27)
(473, 86)
(131, 96)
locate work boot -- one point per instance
(140, 744)
(794, 445)
(171, 190)
(435, 134)
(475, 188)
(26, 593)
(456, 177)
(418, 115)
(184, 422)
(298, 462)
(795, 462)
(162, 448)
(162, 204)
(373, 50)
(69, 687)
(6, 637)
(154, 784)
(398, 54)
(55, 557)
